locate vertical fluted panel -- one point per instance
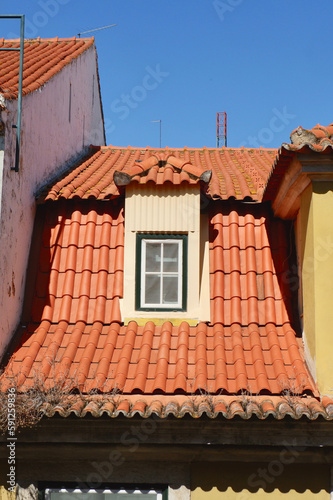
(164, 209)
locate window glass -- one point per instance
(170, 290)
(170, 257)
(153, 289)
(161, 272)
(153, 257)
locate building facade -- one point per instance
(61, 116)
(170, 348)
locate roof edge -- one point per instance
(228, 407)
(39, 39)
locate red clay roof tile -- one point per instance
(43, 58)
(228, 407)
(236, 173)
(77, 332)
(248, 347)
(318, 139)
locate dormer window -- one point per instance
(165, 235)
(161, 273)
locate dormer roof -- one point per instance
(239, 174)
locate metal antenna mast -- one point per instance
(19, 97)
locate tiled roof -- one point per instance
(236, 173)
(244, 406)
(76, 331)
(318, 139)
(43, 58)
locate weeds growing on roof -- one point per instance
(36, 399)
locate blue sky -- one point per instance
(266, 63)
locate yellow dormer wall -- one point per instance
(315, 252)
(305, 194)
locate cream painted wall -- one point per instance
(316, 253)
(275, 480)
(52, 136)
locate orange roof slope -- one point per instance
(43, 58)
(236, 173)
(76, 332)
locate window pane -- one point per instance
(153, 289)
(170, 290)
(153, 256)
(170, 257)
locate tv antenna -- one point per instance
(96, 29)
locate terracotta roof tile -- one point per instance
(319, 139)
(76, 331)
(236, 173)
(244, 406)
(43, 58)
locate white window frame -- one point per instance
(143, 241)
(161, 273)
